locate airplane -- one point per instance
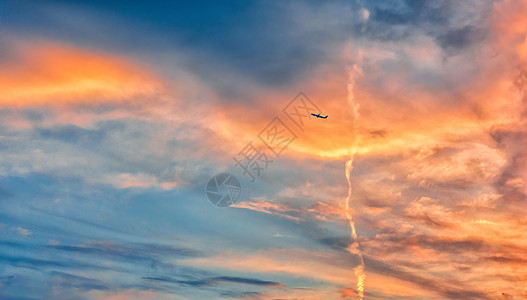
(319, 116)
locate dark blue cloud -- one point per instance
(92, 254)
(70, 281)
(38, 264)
(213, 281)
(457, 39)
(402, 20)
(267, 42)
(72, 134)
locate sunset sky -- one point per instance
(114, 115)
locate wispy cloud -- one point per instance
(43, 73)
(23, 232)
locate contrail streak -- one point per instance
(354, 248)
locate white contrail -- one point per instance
(354, 248)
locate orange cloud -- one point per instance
(317, 265)
(397, 114)
(327, 212)
(141, 180)
(269, 208)
(321, 265)
(44, 73)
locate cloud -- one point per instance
(73, 282)
(269, 208)
(234, 47)
(45, 73)
(457, 39)
(23, 232)
(36, 263)
(132, 253)
(240, 295)
(218, 280)
(315, 265)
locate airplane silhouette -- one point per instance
(319, 116)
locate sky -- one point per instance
(114, 116)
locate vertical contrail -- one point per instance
(354, 248)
